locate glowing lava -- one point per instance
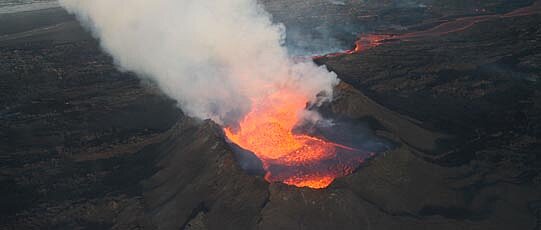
(294, 159)
(363, 43)
(367, 42)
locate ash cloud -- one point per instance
(213, 57)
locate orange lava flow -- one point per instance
(368, 41)
(294, 159)
(363, 43)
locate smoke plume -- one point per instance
(213, 56)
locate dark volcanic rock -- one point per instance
(199, 176)
(331, 25)
(467, 84)
(83, 146)
(72, 135)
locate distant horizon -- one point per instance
(10, 7)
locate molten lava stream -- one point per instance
(367, 42)
(294, 159)
(363, 43)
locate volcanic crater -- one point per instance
(310, 155)
(444, 129)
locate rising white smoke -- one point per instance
(212, 56)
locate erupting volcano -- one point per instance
(294, 159)
(218, 73)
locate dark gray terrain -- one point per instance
(84, 146)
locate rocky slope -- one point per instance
(84, 146)
(320, 26)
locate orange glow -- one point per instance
(367, 42)
(294, 159)
(363, 43)
(316, 182)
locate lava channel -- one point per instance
(294, 159)
(363, 43)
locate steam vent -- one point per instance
(270, 114)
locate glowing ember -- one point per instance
(293, 159)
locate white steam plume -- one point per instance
(212, 56)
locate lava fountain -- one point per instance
(294, 159)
